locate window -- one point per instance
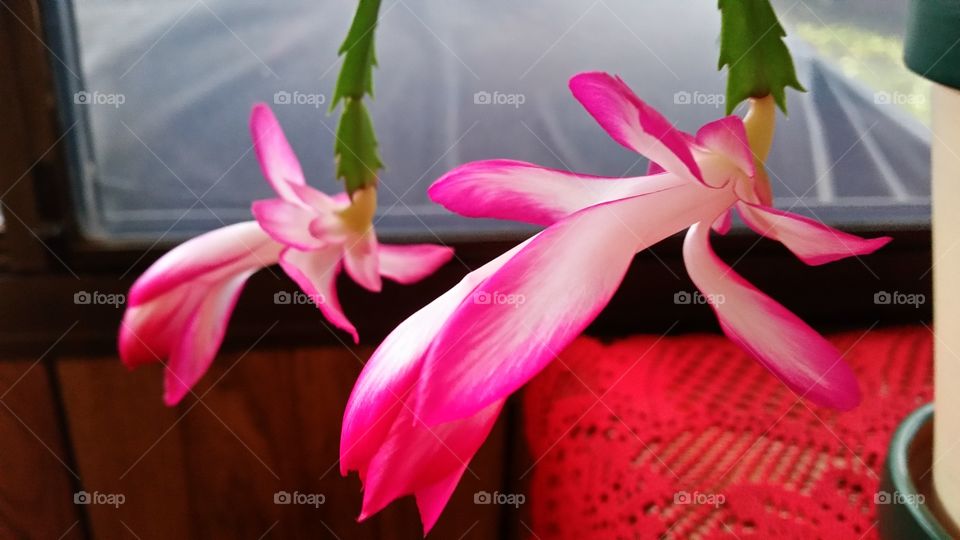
(128, 134)
(159, 95)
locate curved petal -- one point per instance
(361, 260)
(723, 223)
(542, 298)
(314, 198)
(226, 251)
(518, 191)
(811, 241)
(316, 273)
(389, 375)
(431, 500)
(409, 264)
(794, 352)
(287, 223)
(728, 138)
(415, 458)
(279, 164)
(200, 337)
(634, 124)
(186, 326)
(380, 433)
(179, 308)
(148, 331)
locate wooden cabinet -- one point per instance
(262, 422)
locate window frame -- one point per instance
(46, 258)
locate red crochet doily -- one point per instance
(688, 437)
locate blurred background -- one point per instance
(126, 133)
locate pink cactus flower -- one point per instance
(179, 308)
(428, 397)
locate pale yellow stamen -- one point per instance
(760, 124)
(358, 217)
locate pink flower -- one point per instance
(179, 308)
(429, 395)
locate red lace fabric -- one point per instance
(688, 437)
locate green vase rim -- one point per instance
(932, 44)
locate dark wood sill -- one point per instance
(39, 307)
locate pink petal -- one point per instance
(287, 223)
(728, 138)
(389, 375)
(226, 251)
(316, 273)
(387, 378)
(723, 223)
(518, 191)
(361, 260)
(634, 124)
(179, 308)
(279, 164)
(409, 264)
(186, 326)
(415, 458)
(521, 317)
(200, 337)
(148, 331)
(653, 168)
(811, 241)
(380, 433)
(326, 223)
(794, 352)
(433, 499)
(319, 200)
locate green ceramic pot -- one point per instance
(904, 502)
(933, 32)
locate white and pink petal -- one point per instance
(723, 223)
(395, 453)
(635, 124)
(388, 377)
(795, 353)
(148, 331)
(407, 264)
(226, 251)
(278, 162)
(519, 191)
(518, 319)
(315, 272)
(361, 260)
(728, 137)
(287, 223)
(199, 337)
(811, 241)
